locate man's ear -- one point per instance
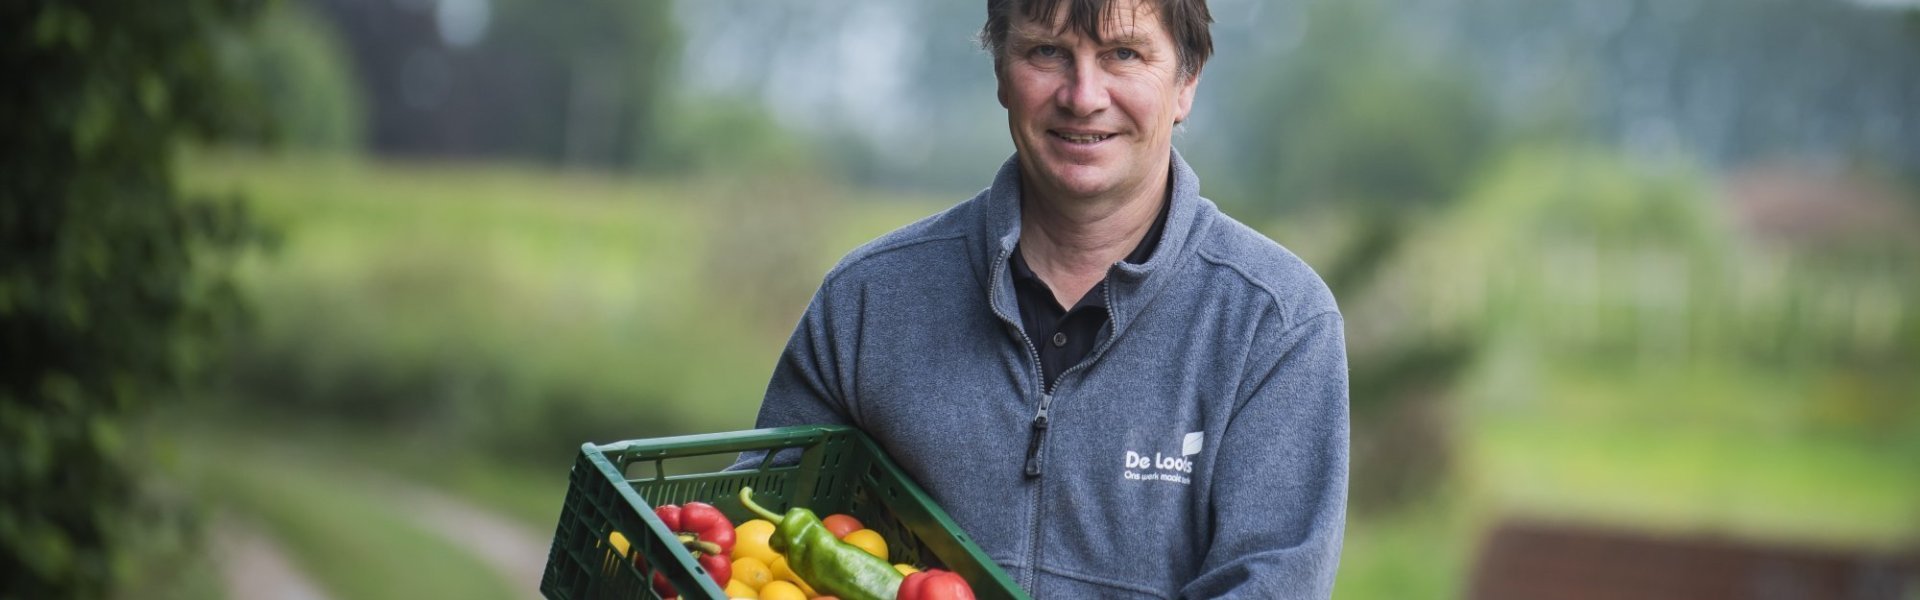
(1000, 83)
(1183, 99)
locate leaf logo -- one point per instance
(1191, 444)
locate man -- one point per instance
(1114, 388)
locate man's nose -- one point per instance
(1085, 90)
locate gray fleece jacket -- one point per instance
(1199, 451)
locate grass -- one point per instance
(1815, 490)
(1695, 449)
(1682, 450)
(1422, 550)
(510, 303)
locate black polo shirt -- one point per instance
(1065, 337)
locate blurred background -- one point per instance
(318, 298)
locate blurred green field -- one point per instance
(1709, 451)
(466, 327)
(522, 307)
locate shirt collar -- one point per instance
(1131, 285)
(1142, 251)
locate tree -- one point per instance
(103, 285)
(582, 84)
(1389, 137)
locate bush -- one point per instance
(109, 277)
(293, 68)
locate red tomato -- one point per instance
(935, 584)
(947, 586)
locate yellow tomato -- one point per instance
(869, 540)
(739, 589)
(783, 572)
(905, 569)
(618, 541)
(750, 540)
(752, 571)
(781, 590)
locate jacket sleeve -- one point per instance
(809, 383)
(1280, 489)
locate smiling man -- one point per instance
(1117, 390)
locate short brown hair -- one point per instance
(1187, 20)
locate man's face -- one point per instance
(1093, 119)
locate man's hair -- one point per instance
(1186, 20)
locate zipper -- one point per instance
(1037, 438)
(1039, 425)
(1039, 433)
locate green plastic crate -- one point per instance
(614, 487)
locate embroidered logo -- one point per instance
(1165, 467)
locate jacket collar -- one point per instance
(1130, 287)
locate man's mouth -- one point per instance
(1080, 138)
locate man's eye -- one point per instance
(1125, 54)
(1046, 51)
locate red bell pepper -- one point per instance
(934, 584)
(706, 533)
(699, 524)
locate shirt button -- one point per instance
(1059, 339)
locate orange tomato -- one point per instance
(841, 525)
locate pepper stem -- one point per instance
(746, 498)
(695, 543)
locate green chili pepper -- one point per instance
(833, 567)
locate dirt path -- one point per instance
(253, 565)
(517, 553)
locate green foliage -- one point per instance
(104, 281)
(1591, 255)
(1359, 120)
(1362, 126)
(1633, 370)
(712, 135)
(292, 66)
(1587, 253)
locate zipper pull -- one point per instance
(1039, 434)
